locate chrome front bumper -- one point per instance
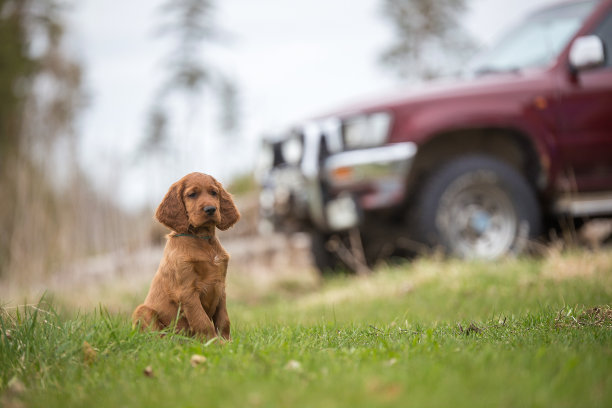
(334, 192)
(374, 178)
(380, 173)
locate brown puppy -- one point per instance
(189, 286)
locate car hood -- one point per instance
(493, 84)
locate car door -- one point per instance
(586, 121)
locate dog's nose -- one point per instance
(210, 209)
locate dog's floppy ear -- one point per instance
(171, 211)
(228, 210)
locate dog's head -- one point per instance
(195, 201)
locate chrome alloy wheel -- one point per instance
(476, 217)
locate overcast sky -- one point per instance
(289, 59)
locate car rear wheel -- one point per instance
(476, 207)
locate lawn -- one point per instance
(518, 332)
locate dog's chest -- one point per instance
(210, 282)
(210, 297)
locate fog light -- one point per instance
(342, 213)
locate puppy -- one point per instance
(188, 289)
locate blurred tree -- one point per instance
(190, 24)
(430, 41)
(40, 93)
(229, 97)
(49, 212)
(15, 66)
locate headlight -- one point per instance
(366, 130)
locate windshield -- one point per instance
(537, 41)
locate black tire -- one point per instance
(476, 207)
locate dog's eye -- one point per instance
(192, 194)
(213, 193)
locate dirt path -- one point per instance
(123, 277)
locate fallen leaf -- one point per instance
(148, 371)
(89, 353)
(15, 387)
(197, 359)
(391, 362)
(11, 398)
(472, 328)
(293, 365)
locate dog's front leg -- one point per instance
(199, 322)
(221, 319)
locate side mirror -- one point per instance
(587, 52)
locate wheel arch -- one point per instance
(509, 145)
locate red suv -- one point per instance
(476, 168)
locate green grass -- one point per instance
(512, 333)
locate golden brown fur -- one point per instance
(189, 286)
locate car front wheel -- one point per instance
(476, 207)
